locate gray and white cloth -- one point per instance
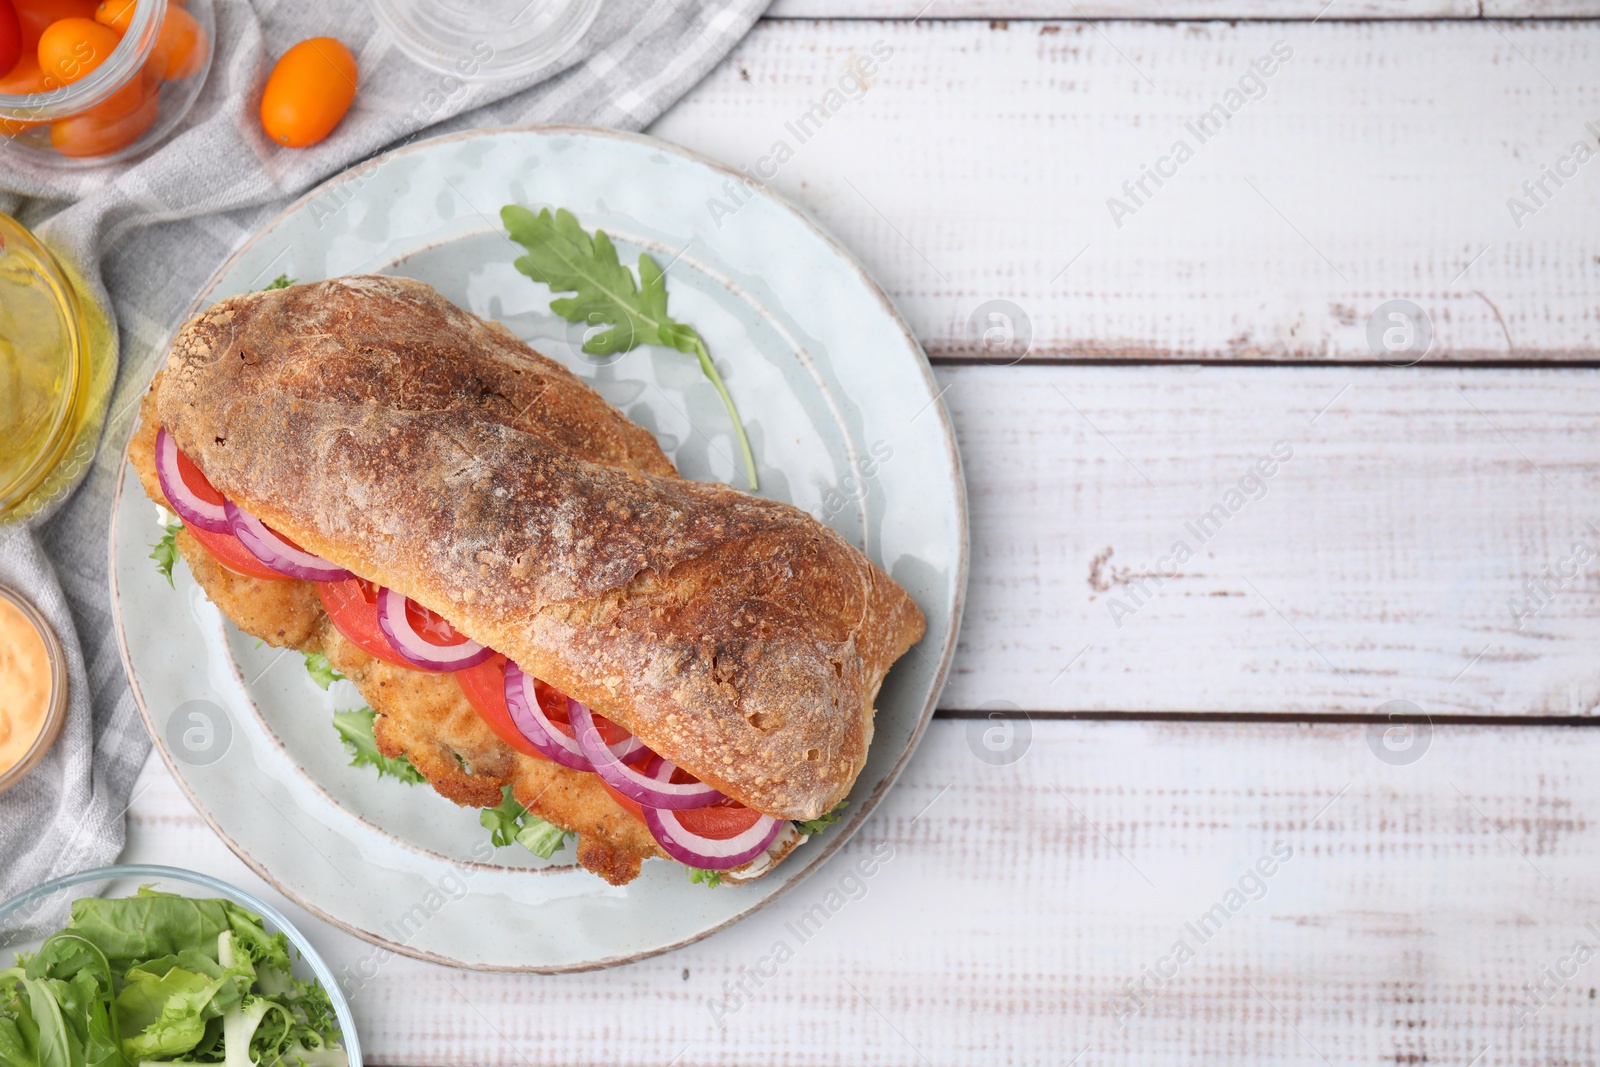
(147, 236)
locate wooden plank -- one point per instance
(1376, 165)
(1541, 9)
(1018, 903)
(1273, 10)
(1382, 561)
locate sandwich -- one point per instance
(515, 576)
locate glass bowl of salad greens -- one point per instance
(142, 965)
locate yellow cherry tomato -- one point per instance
(70, 48)
(308, 92)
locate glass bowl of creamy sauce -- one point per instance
(33, 688)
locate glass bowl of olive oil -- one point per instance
(44, 367)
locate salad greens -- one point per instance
(710, 878)
(160, 978)
(512, 822)
(321, 670)
(355, 730)
(823, 821)
(282, 281)
(166, 550)
(561, 254)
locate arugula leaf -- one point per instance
(355, 730)
(166, 551)
(710, 878)
(822, 822)
(321, 670)
(282, 281)
(511, 822)
(562, 255)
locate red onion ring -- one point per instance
(535, 725)
(277, 551)
(416, 650)
(190, 508)
(704, 852)
(650, 791)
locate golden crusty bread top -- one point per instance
(378, 425)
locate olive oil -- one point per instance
(46, 341)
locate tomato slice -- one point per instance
(485, 689)
(353, 606)
(431, 626)
(195, 482)
(722, 820)
(231, 553)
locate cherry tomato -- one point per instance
(308, 92)
(70, 49)
(353, 606)
(117, 14)
(228, 549)
(180, 48)
(25, 78)
(35, 15)
(10, 37)
(96, 133)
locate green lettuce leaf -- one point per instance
(511, 822)
(355, 730)
(321, 670)
(822, 822)
(165, 551)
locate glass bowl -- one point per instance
(130, 102)
(44, 366)
(485, 40)
(26, 920)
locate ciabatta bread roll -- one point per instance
(377, 425)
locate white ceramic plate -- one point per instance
(845, 421)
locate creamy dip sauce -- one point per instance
(25, 684)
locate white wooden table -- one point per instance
(1210, 847)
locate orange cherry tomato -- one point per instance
(180, 49)
(96, 134)
(10, 37)
(117, 14)
(70, 49)
(35, 15)
(308, 92)
(228, 549)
